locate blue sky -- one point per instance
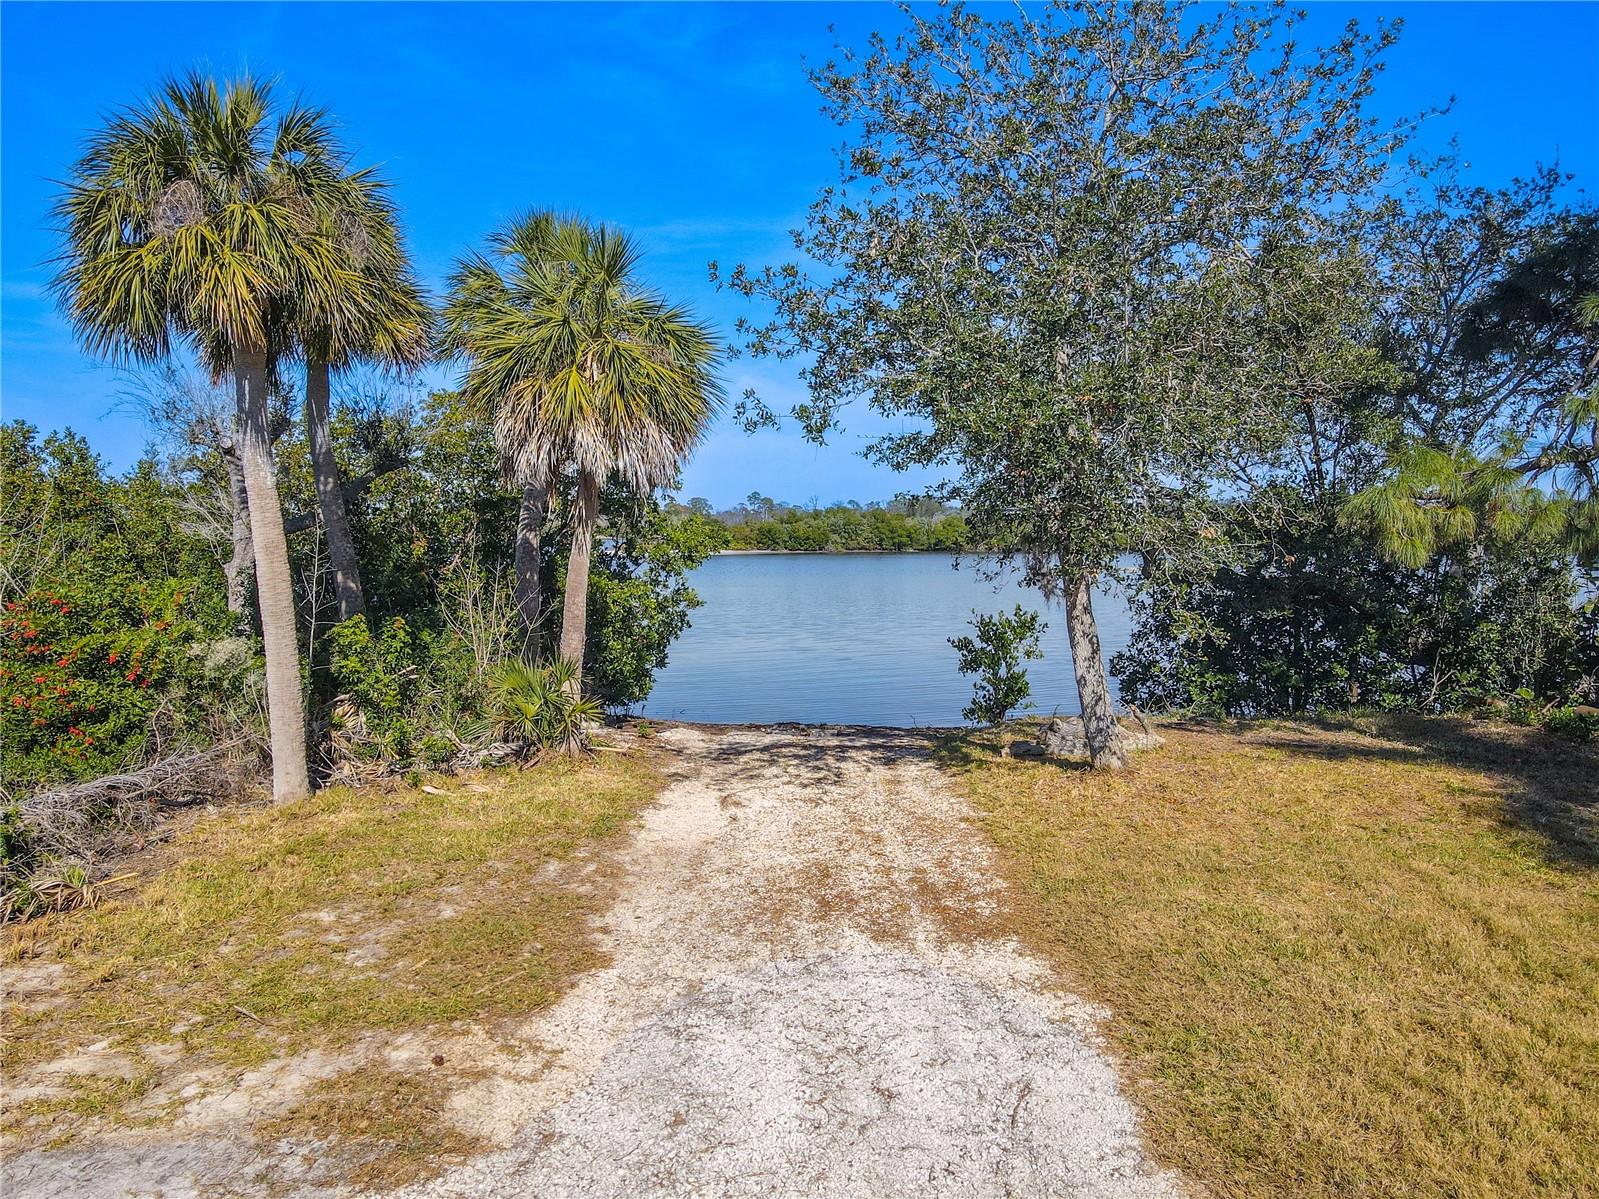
(691, 125)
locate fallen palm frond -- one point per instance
(53, 838)
(76, 818)
(360, 756)
(53, 887)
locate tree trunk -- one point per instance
(330, 492)
(529, 599)
(273, 585)
(236, 571)
(574, 610)
(1100, 729)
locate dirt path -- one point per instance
(811, 991)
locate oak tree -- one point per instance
(1074, 245)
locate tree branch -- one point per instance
(353, 490)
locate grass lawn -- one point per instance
(261, 933)
(1357, 961)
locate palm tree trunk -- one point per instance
(529, 523)
(1100, 729)
(574, 609)
(242, 559)
(273, 585)
(330, 492)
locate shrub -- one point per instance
(114, 619)
(995, 655)
(97, 679)
(1312, 618)
(1573, 724)
(409, 699)
(533, 705)
(402, 693)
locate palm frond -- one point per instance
(534, 705)
(578, 364)
(203, 214)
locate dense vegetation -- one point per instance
(117, 615)
(1427, 543)
(117, 640)
(120, 647)
(1318, 620)
(761, 523)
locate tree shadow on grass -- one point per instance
(812, 756)
(961, 749)
(1550, 787)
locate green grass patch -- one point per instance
(1340, 962)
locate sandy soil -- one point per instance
(812, 990)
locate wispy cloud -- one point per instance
(704, 231)
(676, 27)
(18, 289)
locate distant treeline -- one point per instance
(762, 523)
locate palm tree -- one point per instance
(474, 290)
(386, 321)
(192, 217)
(582, 369)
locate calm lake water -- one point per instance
(851, 639)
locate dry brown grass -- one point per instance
(390, 1126)
(1352, 962)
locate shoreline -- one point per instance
(730, 553)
